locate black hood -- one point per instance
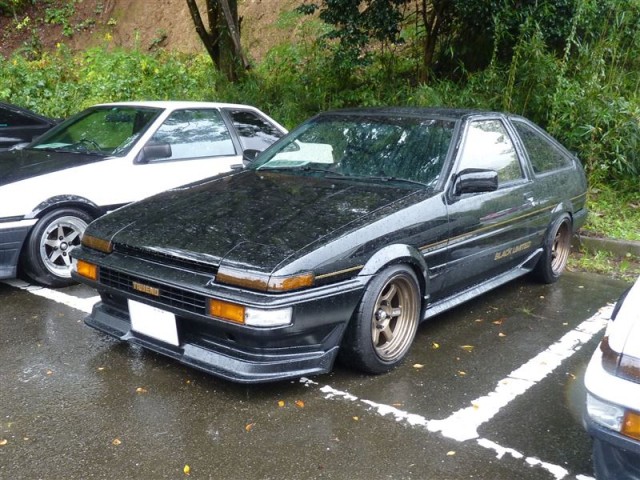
(251, 219)
(17, 165)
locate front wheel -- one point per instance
(385, 324)
(46, 255)
(556, 248)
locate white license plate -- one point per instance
(153, 322)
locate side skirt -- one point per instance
(453, 301)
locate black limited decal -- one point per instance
(512, 250)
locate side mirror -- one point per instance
(153, 151)
(249, 155)
(475, 180)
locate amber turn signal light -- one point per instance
(96, 243)
(87, 270)
(631, 425)
(226, 311)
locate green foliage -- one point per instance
(62, 83)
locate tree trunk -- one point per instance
(222, 39)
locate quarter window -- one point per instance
(488, 146)
(544, 156)
(195, 133)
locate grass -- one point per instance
(611, 215)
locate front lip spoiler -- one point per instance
(241, 368)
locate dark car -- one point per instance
(19, 126)
(337, 241)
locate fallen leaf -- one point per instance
(435, 345)
(249, 426)
(116, 442)
(141, 390)
(573, 377)
(418, 365)
(3, 442)
(542, 297)
(49, 372)
(451, 453)
(478, 320)
(467, 348)
(397, 405)
(356, 418)
(186, 469)
(281, 403)
(299, 404)
(497, 322)
(100, 369)
(461, 373)
(502, 334)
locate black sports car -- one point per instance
(19, 126)
(335, 242)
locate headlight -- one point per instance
(264, 283)
(255, 317)
(614, 417)
(620, 365)
(96, 243)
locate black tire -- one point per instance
(556, 248)
(383, 327)
(45, 255)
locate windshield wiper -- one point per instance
(301, 169)
(365, 178)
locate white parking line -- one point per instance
(462, 425)
(82, 304)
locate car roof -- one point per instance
(26, 112)
(450, 113)
(173, 104)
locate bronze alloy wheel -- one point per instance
(561, 248)
(395, 318)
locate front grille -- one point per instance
(166, 259)
(171, 296)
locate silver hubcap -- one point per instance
(60, 238)
(395, 318)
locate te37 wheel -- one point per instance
(385, 323)
(556, 248)
(46, 255)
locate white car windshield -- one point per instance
(104, 130)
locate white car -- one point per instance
(105, 157)
(612, 380)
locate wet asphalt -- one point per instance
(75, 404)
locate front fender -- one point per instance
(394, 254)
(67, 201)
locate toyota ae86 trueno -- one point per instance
(337, 241)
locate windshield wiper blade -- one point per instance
(301, 169)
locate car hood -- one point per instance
(250, 220)
(624, 332)
(17, 165)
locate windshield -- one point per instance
(104, 130)
(369, 147)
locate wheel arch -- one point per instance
(65, 201)
(399, 254)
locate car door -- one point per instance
(489, 232)
(190, 144)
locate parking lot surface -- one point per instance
(490, 390)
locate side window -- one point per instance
(488, 146)
(255, 132)
(195, 133)
(544, 156)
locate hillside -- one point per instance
(133, 23)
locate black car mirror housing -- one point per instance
(475, 180)
(154, 151)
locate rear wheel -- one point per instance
(384, 326)
(46, 255)
(556, 248)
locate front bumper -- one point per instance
(235, 352)
(12, 237)
(614, 455)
